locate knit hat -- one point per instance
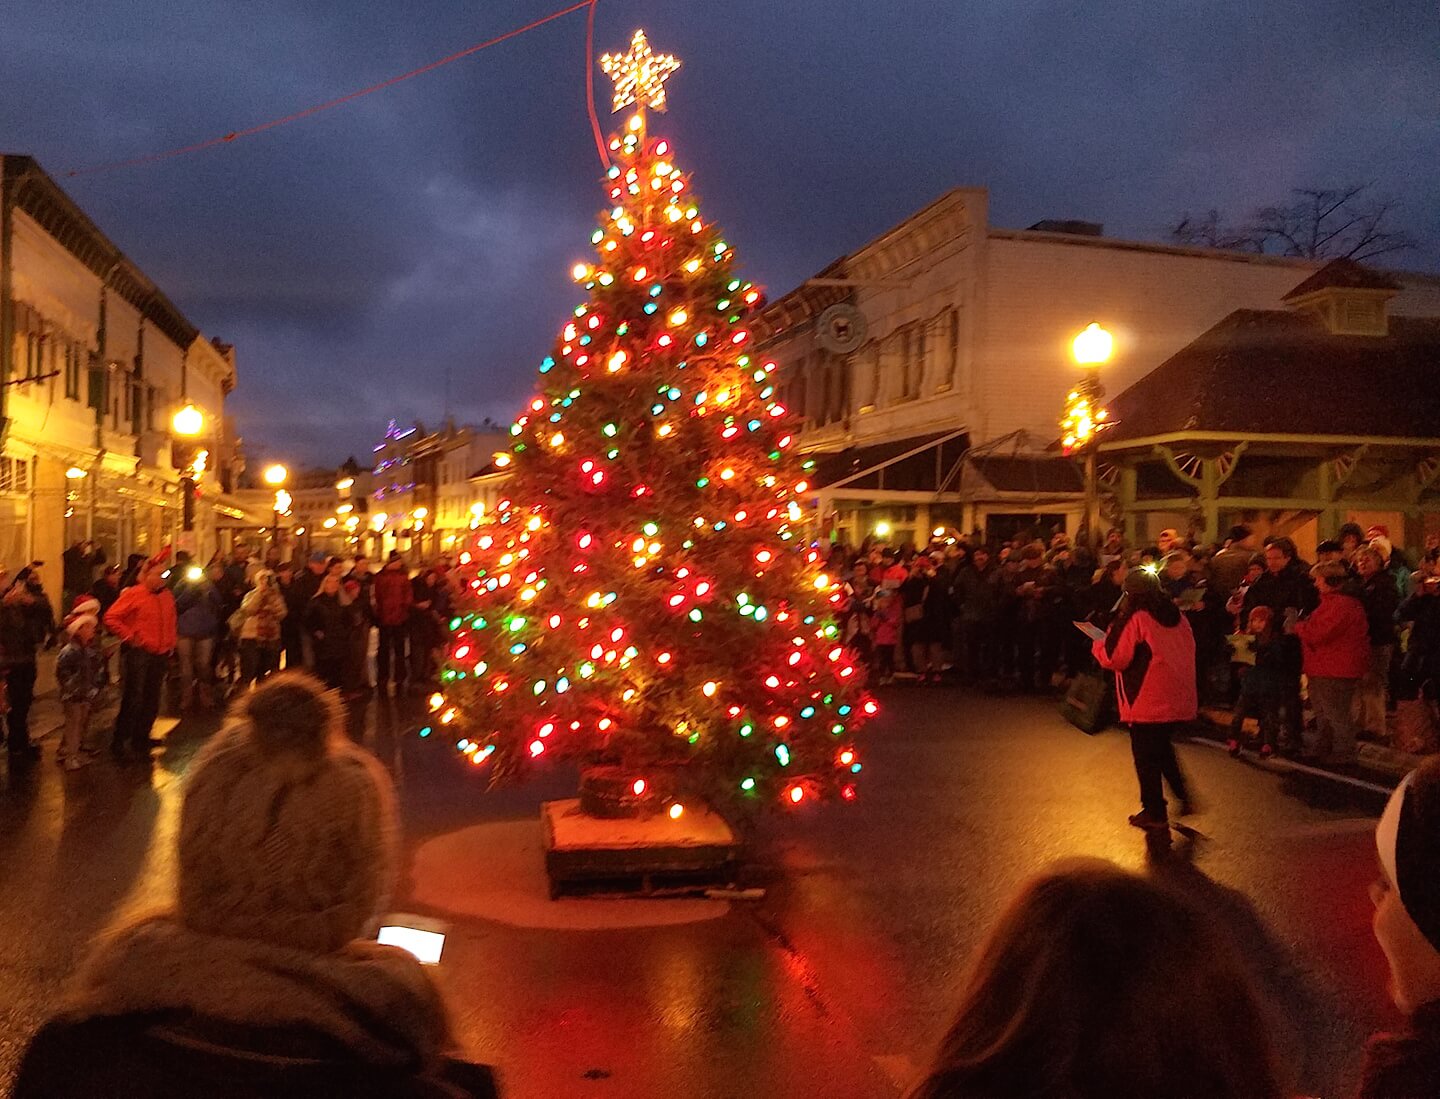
(1383, 545)
(85, 606)
(287, 831)
(75, 623)
(1408, 839)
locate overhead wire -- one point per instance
(338, 101)
(590, 84)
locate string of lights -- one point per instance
(331, 104)
(645, 596)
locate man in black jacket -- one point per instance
(26, 623)
(304, 588)
(1285, 585)
(1381, 598)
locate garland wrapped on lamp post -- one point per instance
(1085, 417)
(644, 604)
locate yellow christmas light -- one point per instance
(639, 74)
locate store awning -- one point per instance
(918, 463)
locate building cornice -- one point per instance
(36, 194)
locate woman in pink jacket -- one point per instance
(1151, 650)
(1335, 643)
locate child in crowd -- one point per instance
(1253, 572)
(80, 671)
(885, 623)
(1263, 684)
(855, 628)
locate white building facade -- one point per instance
(94, 362)
(941, 412)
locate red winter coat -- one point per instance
(1154, 668)
(392, 596)
(1335, 638)
(144, 618)
(887, 620)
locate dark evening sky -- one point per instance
(356, 257)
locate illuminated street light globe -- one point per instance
(1092, 346)
(276, 474)
(188, 422)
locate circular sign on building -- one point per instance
(841, 329)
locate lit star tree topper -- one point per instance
(639, 75)
(644, 600)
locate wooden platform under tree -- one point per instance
(636, 856)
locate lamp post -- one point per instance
(275, 476)
(1085, 417)
(187, 425)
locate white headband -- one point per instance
(1387, 832)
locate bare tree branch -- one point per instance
(1318, 223)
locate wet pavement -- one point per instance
(839, 980)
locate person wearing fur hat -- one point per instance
(143, 618)
(257, 982)
(1407, 926)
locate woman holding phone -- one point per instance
(1151, 650)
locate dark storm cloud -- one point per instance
(359, 258)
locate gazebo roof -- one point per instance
(1278, 372)
(1342, 274)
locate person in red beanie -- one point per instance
(143, 618)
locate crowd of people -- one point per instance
(217, 630)
(1263, 620)
(1095, 982)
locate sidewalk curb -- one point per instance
(1383, 768)
(1280, 765)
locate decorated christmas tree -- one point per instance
(644, 603)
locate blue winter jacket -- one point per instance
(199, 609)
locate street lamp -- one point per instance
(1092, 346)
(1085, 416)
(187, 424)
(275, 475)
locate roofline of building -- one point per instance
(34, 191)
(1251, 437)
(1262, 258)
(792, 297)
